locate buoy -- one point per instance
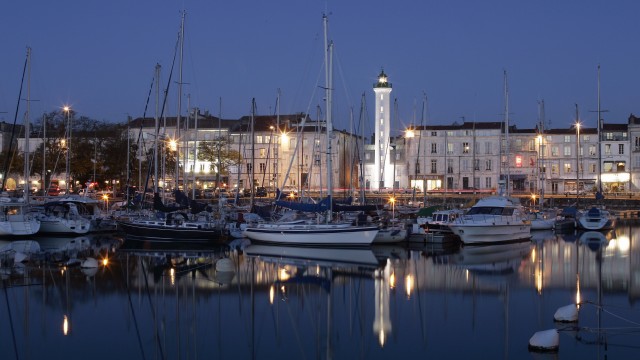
(225, 264)
(547, 340)
(567, 313)
(89, 263)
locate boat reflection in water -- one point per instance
(158, 300)
(492, 259)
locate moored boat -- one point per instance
(493, 219)
(595, 219)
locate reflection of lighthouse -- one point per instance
(383, 172)
(382, 322)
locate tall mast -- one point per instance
(179, 110)
(27, 131)
(253, 153)
(157, 128)
(328, 81)
(506, 124)
(599, 195)
(541, 152)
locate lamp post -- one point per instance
(393, 189)
(577, 162)
(67, 109)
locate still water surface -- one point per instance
(266, 302)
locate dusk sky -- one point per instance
(99, 57)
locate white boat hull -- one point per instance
(19, 227)
(312, 234)
(475, 233)
(64, 226)
(390, 236)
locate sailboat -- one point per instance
(317, 232)
(173, 223)
(15, 219)
(596, 218)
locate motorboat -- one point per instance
(542, 220)
(494, 219)
(393, 233)
(439, 221)
(595, 219)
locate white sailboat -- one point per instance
(315, 232)
(15, 219)
(596, 218)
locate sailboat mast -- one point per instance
(179, 110)
(328, 80)
(253, 153)
(157, 128)
(599, 139)
(541, 152)
(506, 124)
(27, 131)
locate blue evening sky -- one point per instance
(99, 57)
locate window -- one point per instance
(263, 167)
(465, 165)
(636, 142)
(434, 133)
(487, 165)
(567, 168)
(449, 166)
(567, 138)
(258, 139)
(487, 148)
(554, 151)
(607, 166)
(449, 149)
(434, 166)
(476, 165)
(567, 151)
(263, 153)
(487, 182)
(586, 138)
(465, 147)
(620, 149)
(607, 149)
(417, 167)
(555, 169)
(434, 148)
(367, 156)
(249, 167)
(592, 150)
(592, 168)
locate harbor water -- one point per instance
(148, 300)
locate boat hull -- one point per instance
(312, 235)
(157, 232)
(491, 234)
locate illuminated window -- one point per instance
(518, 161)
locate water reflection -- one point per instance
(256, 301)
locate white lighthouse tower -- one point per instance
(383, 171)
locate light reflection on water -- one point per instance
(155, 301)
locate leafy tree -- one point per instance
(210, 150)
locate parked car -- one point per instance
(261, 191)
(208, 193)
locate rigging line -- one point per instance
(13, 335)
(133, 313)
(156, 128)
(153, 310)
(299, 138)
(13, 129)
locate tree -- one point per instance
(210, 150)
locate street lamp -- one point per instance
(393, 191)
(577, 162)
(67, 110)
